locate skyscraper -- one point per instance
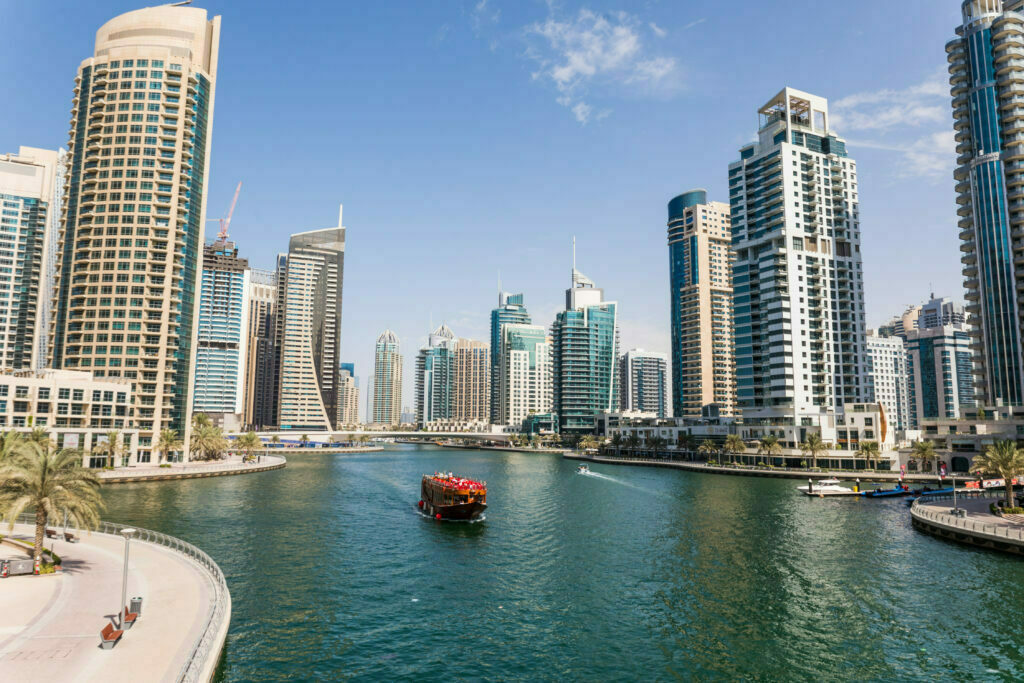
(886, 380)
(940, 368)
(221, 348)
(511, 309)
(700, 274)
(387, 380)
(435, 377)
(524, 378)
(309, 329)
(472, 395)
(260, 356)
(348, 402)
(31, 192)
(984, 73)
(585, 346)
(643, 382)
(141, 121)
(798, 292)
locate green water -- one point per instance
(623, 574)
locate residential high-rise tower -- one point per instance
(472, 395)
(260, 356)
(435, 377)
(525, 386)
(511, 309)
(643, 382)
(387, 380)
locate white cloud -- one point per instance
(484, 13)
(658, 31)
(595, 51)
(698, 22)
(913, 122)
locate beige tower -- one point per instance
(260, 358)
(387, 380)
(472, 395)
(131, 238)
(700, 264)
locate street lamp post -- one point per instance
(127, 533)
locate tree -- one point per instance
(10, 442)
(632, 442)
(617, 441)
(200, 420)
(248, 443)
(870, 451)
(656, 443)
(587, 442)
(304, 440)
(707, 448)
(734, 444)
(813, 446)
(685, 441)
(769, 445)
(52, 483)
(925, 452)
(110, 448)
(167, 443)
(275, 439)
(981, 414)
(208, 443)
(40, 436)
(1004, 460)
(534, 440)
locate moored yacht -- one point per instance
(826, 487)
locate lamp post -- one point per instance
(127, 533)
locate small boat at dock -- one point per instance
(900, 490)
(445, 496)
(583, 469)
(826, 487)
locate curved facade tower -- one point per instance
(132, 232)
(986, 75)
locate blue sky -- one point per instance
(476, 137)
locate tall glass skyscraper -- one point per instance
(435, 377)
(985, 74)
(798, 287)
(131, 240)
(387, 380)
(510, 310)
(584, 352)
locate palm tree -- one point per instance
(685, 441)
(40, 436)
(51, 482)
(617, 441)
(814, 447)
(656, 444)
(707, 448)
(248, 443)
(734, 444)
(632, 443)
(111, 447)
(870, 451)
(275, 439)
(1004, 460)
(925, 451)
(200, 420)
(304, 440)
(9, 444)
(167, 443)
(769, 445)
(534, 440)
(208, 442)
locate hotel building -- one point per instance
(886, 380)
(435, 377)
(472, 396)
(643, 382)
(387, 380)
(524, 380)
(700, 292)
(308, 345)
(131, 237)
(940, 366)
(798, 291)
(31, 194)
(511, 309)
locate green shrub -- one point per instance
(166, 464)
(1013, 511)
(993, 508)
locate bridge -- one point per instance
(294, 436)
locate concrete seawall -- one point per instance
(190, 471)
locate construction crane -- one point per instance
(225, 222)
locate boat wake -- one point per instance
(614, 480)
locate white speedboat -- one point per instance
(826, 487)
(583, 469)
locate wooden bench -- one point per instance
(70, 537)
(129, 618)
(109, 636)
(51, 533)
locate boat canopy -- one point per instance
(452, 482)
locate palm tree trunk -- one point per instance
(37, 550)
(1008, 492)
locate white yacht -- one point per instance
(826, 487)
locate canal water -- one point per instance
(626, 573)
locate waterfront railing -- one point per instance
(220, 608)
(185, 469)
(995, 530)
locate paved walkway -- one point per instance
(50, 624)
(978, 526)
(188, 470)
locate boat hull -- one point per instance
(463, 512)
(820, 492)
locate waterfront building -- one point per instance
(898, 325)
(941, 311)
(886, 381)
(435, 377)
(643, 382)
(798, 290)
(260, 357)
(139, 145)
(700, 293)
(75, 408)
(308, 336)
(984, 75)
(524, 380)
(387, 380)
(348, 403)
(369, 401)
(222, 319)
(940, 367)
(31, 194)
(472, 395)
(511, 309)
(584, 353)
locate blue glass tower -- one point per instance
(984, 74)
(511, 309)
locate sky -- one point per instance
(470, 140)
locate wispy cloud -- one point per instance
(658, 31)
(596, 51)
(698, 22)
(911, 121)
(484, 14)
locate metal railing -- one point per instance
(206, 640)
(184, 469)
(996, 531)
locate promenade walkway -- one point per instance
(50, 624)
(191, 470)
(977, 526)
